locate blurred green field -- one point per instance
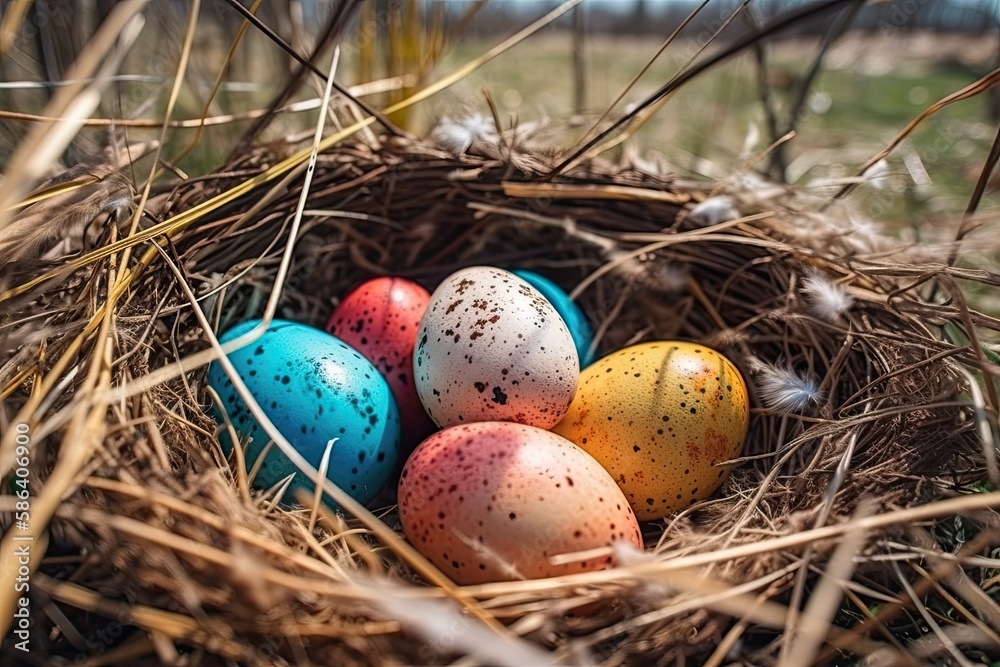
(714, 123)
(868, 89)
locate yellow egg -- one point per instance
(659, 417)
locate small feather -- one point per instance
(784, 390)
(458, 134)
(626, 554)
(750, 142)
(64, 216)
(877, 175)
(828, 300)
(714, 210)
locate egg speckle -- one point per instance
(491, 348)
(495, 501)
(380, 319)
(576, 321)
(314, 388)
(659, 417)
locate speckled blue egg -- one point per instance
(576, 321)
(314, 388)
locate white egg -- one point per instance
(492, 348)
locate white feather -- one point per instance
(626, 554)
(671, 278)
(714, 210)
(458, 134)
(753, 183)
(877, 175)
(865, 232)
(828, 300)
(750, 142)
(784, 390)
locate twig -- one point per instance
(918, 604)
(308, 64)
(631, 84)
(802, 642)
(783, 22)
(70, 105)
(973, 89)
(219, 78)
(777, 166)
(10, 26)
(183, 220)
(836, 30)
(982, 424)
(890, 611)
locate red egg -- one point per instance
(380, 319)
(495, 501)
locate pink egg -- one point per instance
(380, 319)
(493, 501)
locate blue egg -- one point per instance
(576, 321)
(314, 388)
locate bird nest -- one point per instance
(866, 433)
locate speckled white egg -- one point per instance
(492, 348)
(496, 501)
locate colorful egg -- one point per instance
(314, 388)
(496, 501)
(576, 321)
(660, 417)
(491, 348)
(380, 319)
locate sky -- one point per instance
(626, 4)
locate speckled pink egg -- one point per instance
(492, 348)
(380, 319)
(494, 501)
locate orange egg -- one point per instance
(660, 417)
(495, 501)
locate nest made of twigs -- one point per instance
(157, 538)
